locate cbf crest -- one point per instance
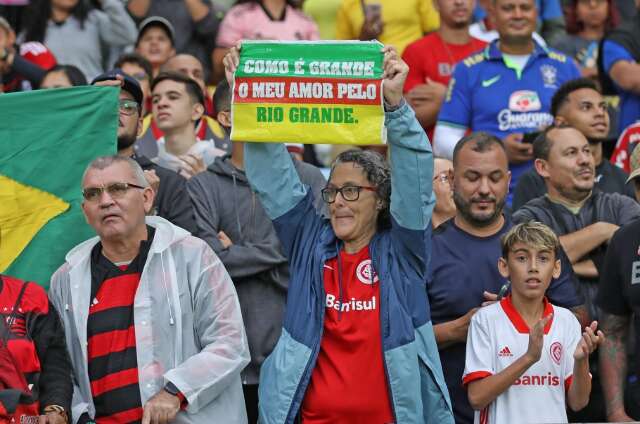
(549, 75)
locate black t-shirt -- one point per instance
(609, 179)
(613, 208)
(619, 292)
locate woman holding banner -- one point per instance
(357, 344)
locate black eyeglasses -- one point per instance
(349, 193)
(115, 190)
(128, 107)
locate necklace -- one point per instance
(446, 68)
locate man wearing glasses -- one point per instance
(171, 200)
(151, 316)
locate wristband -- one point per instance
(173, 390)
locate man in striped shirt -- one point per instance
(151, 316)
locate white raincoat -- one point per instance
(188, 324)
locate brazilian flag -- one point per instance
(47, 138)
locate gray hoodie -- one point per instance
(223, 201)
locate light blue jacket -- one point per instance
(414, 375)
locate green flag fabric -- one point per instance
(47, 138)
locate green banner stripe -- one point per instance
(352, 59)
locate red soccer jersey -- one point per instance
(430, 57)
(627, 142)
(348, 384)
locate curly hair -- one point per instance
(378, 173)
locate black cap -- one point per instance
(156, 21)
(131, 85)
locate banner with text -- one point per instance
(309, 92)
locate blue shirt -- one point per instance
(484, 94)
(613, 52)
(462, 267)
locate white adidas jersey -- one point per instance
(497, 337)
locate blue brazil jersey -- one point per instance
(484, 94)
(613, 52)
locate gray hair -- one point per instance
(103, 162)
(378, 173)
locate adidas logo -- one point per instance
(505, 352)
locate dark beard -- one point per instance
(125, 141)
(464, 208)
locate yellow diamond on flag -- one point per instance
(24, 211)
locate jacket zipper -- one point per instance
(304, 381)
(383, 307)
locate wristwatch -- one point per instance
(56, 409)
(171, 389)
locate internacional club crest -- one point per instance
(366, 273)
(556, 352)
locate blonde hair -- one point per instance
(533, 234)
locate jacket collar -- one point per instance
(493, 52)
(166, 235)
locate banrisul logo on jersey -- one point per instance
(523, 112)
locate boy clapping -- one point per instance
(527, 359)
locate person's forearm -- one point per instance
(197, 9)
(585, 269)
(626, 75)
(446, 334)
(272, 175)
(577, 244)
(578, 395)
(118, 29)
(55, 382)
(482, 392)
(249, 260)
(138, 8)
(445, 138)
(411, 159)
(427, 112)
(613, 361)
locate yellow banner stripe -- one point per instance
(308, 123)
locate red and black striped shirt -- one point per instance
(113, 365)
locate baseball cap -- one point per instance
(131, 85)
(634, 163)
(156, 21)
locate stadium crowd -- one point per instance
(483, 266)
